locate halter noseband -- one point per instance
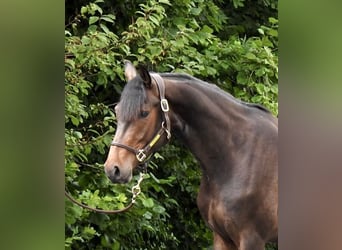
(142, 154)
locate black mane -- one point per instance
(212, 87)
(258, 106)
(134, 96)
(132, 99)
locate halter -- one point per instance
(142, 154)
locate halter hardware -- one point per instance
(164, 105)
(143, 154)
(168, 132)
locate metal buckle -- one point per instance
(141, 156)
(168, 133)
(164, 105)
(136, 190)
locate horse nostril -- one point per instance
(116, 171)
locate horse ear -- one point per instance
(130, 71)
(145, 76)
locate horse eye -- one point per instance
(144, 114)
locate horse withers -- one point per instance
(234, 142)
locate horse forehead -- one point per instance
(126, 128)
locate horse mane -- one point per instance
(132, 99)
(212, 88)
(134, 96)
(257, 105)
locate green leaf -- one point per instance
(111, 16)
(251, 56)
(104, 28)
(154, 20)
(210, 70)
(272, 20)
(260, 88)
(84, 10)
(238, 3)
(121, 197)
(261, 31)
(148, 215)
(70, 63)
(74, 121)
(165, 2)
(78, 134)
(148, 202)
(85, 40)
(93, 19)
(260, 72)
(89, 231)
(107, 19)
(273, 32)
(257, 99)
(207, 29)
(154, 177)
(241, 78)
(159, 209)
(196, 11)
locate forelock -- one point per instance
(132, 99)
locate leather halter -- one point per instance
(143, 154)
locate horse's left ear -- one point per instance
(145, 76)
(130, 71)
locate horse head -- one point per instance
(143, 125)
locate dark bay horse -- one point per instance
(234, 142)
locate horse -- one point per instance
(235, 143)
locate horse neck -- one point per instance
(203, 119)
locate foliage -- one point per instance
(193, 36)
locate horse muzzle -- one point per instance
(118, 175)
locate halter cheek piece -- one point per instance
(142, 154)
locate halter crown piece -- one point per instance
(142, 154)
